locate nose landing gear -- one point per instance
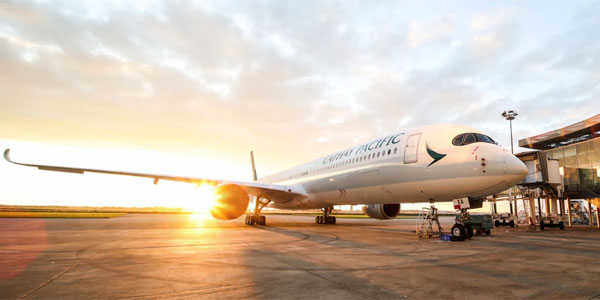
(460, 231)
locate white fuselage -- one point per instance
(402, 167)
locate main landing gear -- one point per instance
(325, 218)
(256, 218)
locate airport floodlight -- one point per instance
(510, 115)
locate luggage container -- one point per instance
(478, 224)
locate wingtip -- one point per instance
(7, 154)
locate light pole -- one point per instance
(510, 115)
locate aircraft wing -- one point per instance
(277, 193)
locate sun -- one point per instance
(206, 197)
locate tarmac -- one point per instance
(139, 256)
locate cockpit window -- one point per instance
(470, 138)
(484, 138)
(457, 141)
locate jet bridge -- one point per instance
(544, 182)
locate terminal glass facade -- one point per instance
(580, 165)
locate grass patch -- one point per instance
(92, 209)
(353, 216)
(337, 215)
(46, 214)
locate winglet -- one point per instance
(7, 155)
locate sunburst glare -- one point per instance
(206, 199)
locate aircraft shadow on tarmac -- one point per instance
(344, 281)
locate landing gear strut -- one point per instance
(256, 218)
(325, 218)
(459, 231)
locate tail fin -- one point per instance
(253, 166)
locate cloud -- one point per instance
(494, 33)
(440, 28)
(292, 79)
(202, 83)
(493, 18)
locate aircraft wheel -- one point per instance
(469, 230)
(511, 223)
(262, 220)
(333, 219)
(542, 225)
(247, 221)
(251, 220)
(561, 225)
(497, 223)
(488, 231)
(317, 220)
(459, 233)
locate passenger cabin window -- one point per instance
(470, 138)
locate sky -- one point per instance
(189, 88)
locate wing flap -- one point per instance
(61, 169)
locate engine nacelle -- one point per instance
(231, 202)
(382, 211)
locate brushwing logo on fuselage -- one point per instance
(436, 156)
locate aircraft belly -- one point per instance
(437, 190)
(440, 190)
(397, 183)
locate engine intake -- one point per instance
(230, 203)
(382, 211)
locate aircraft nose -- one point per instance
(514, 166)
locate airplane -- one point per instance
(435, 163)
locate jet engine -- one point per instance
(231, 202)
(382, 211)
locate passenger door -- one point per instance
(411, 148)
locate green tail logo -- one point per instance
(436, 156)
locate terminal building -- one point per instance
(577, 149)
